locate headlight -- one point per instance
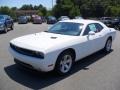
(39, 54)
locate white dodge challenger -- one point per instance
(63, 44)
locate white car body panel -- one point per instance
(53, 44)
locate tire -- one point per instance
(11, 27)
(5, 29)
(108, 45)
(119, 27)
(64, 63)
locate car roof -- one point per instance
(83, 21)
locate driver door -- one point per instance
(94, 41)
(86, 47)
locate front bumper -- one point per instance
(34, 63)
(37, 22)
(22, 22)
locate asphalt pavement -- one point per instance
(99, 71)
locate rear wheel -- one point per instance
(108, 45)
(64, 63)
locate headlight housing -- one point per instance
(39, 54)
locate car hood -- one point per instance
(43, 41)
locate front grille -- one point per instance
(25, 51)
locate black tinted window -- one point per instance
(86, 30)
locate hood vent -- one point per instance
(53, 37)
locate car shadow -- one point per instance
(2, 32)
(38, 80)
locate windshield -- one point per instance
(22, 17)
(78, 17)
(53, 18)
(66, 28)
(108, 19)
(37, 17)
(1, 17)
(64, 16)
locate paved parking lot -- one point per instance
(99, 71)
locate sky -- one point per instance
(19, 3)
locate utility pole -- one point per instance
(52, 4)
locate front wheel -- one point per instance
(108, 45)
(64, 63)
(12, 26)
(5, 29)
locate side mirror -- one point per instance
(91, 33)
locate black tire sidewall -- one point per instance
(105, 49)
(12, 26)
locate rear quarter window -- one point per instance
(99, 27)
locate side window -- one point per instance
(99, 27)
(90, 27)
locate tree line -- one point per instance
(87, 8)
(41, 10)
(72, 8)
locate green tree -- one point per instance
(42, 11)
(65, 8)
(8, 11)
(108, 11)
(14, 8)
(87, 8)
(74, 12)
(39, 13)
(49, 13)
(27, 7)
